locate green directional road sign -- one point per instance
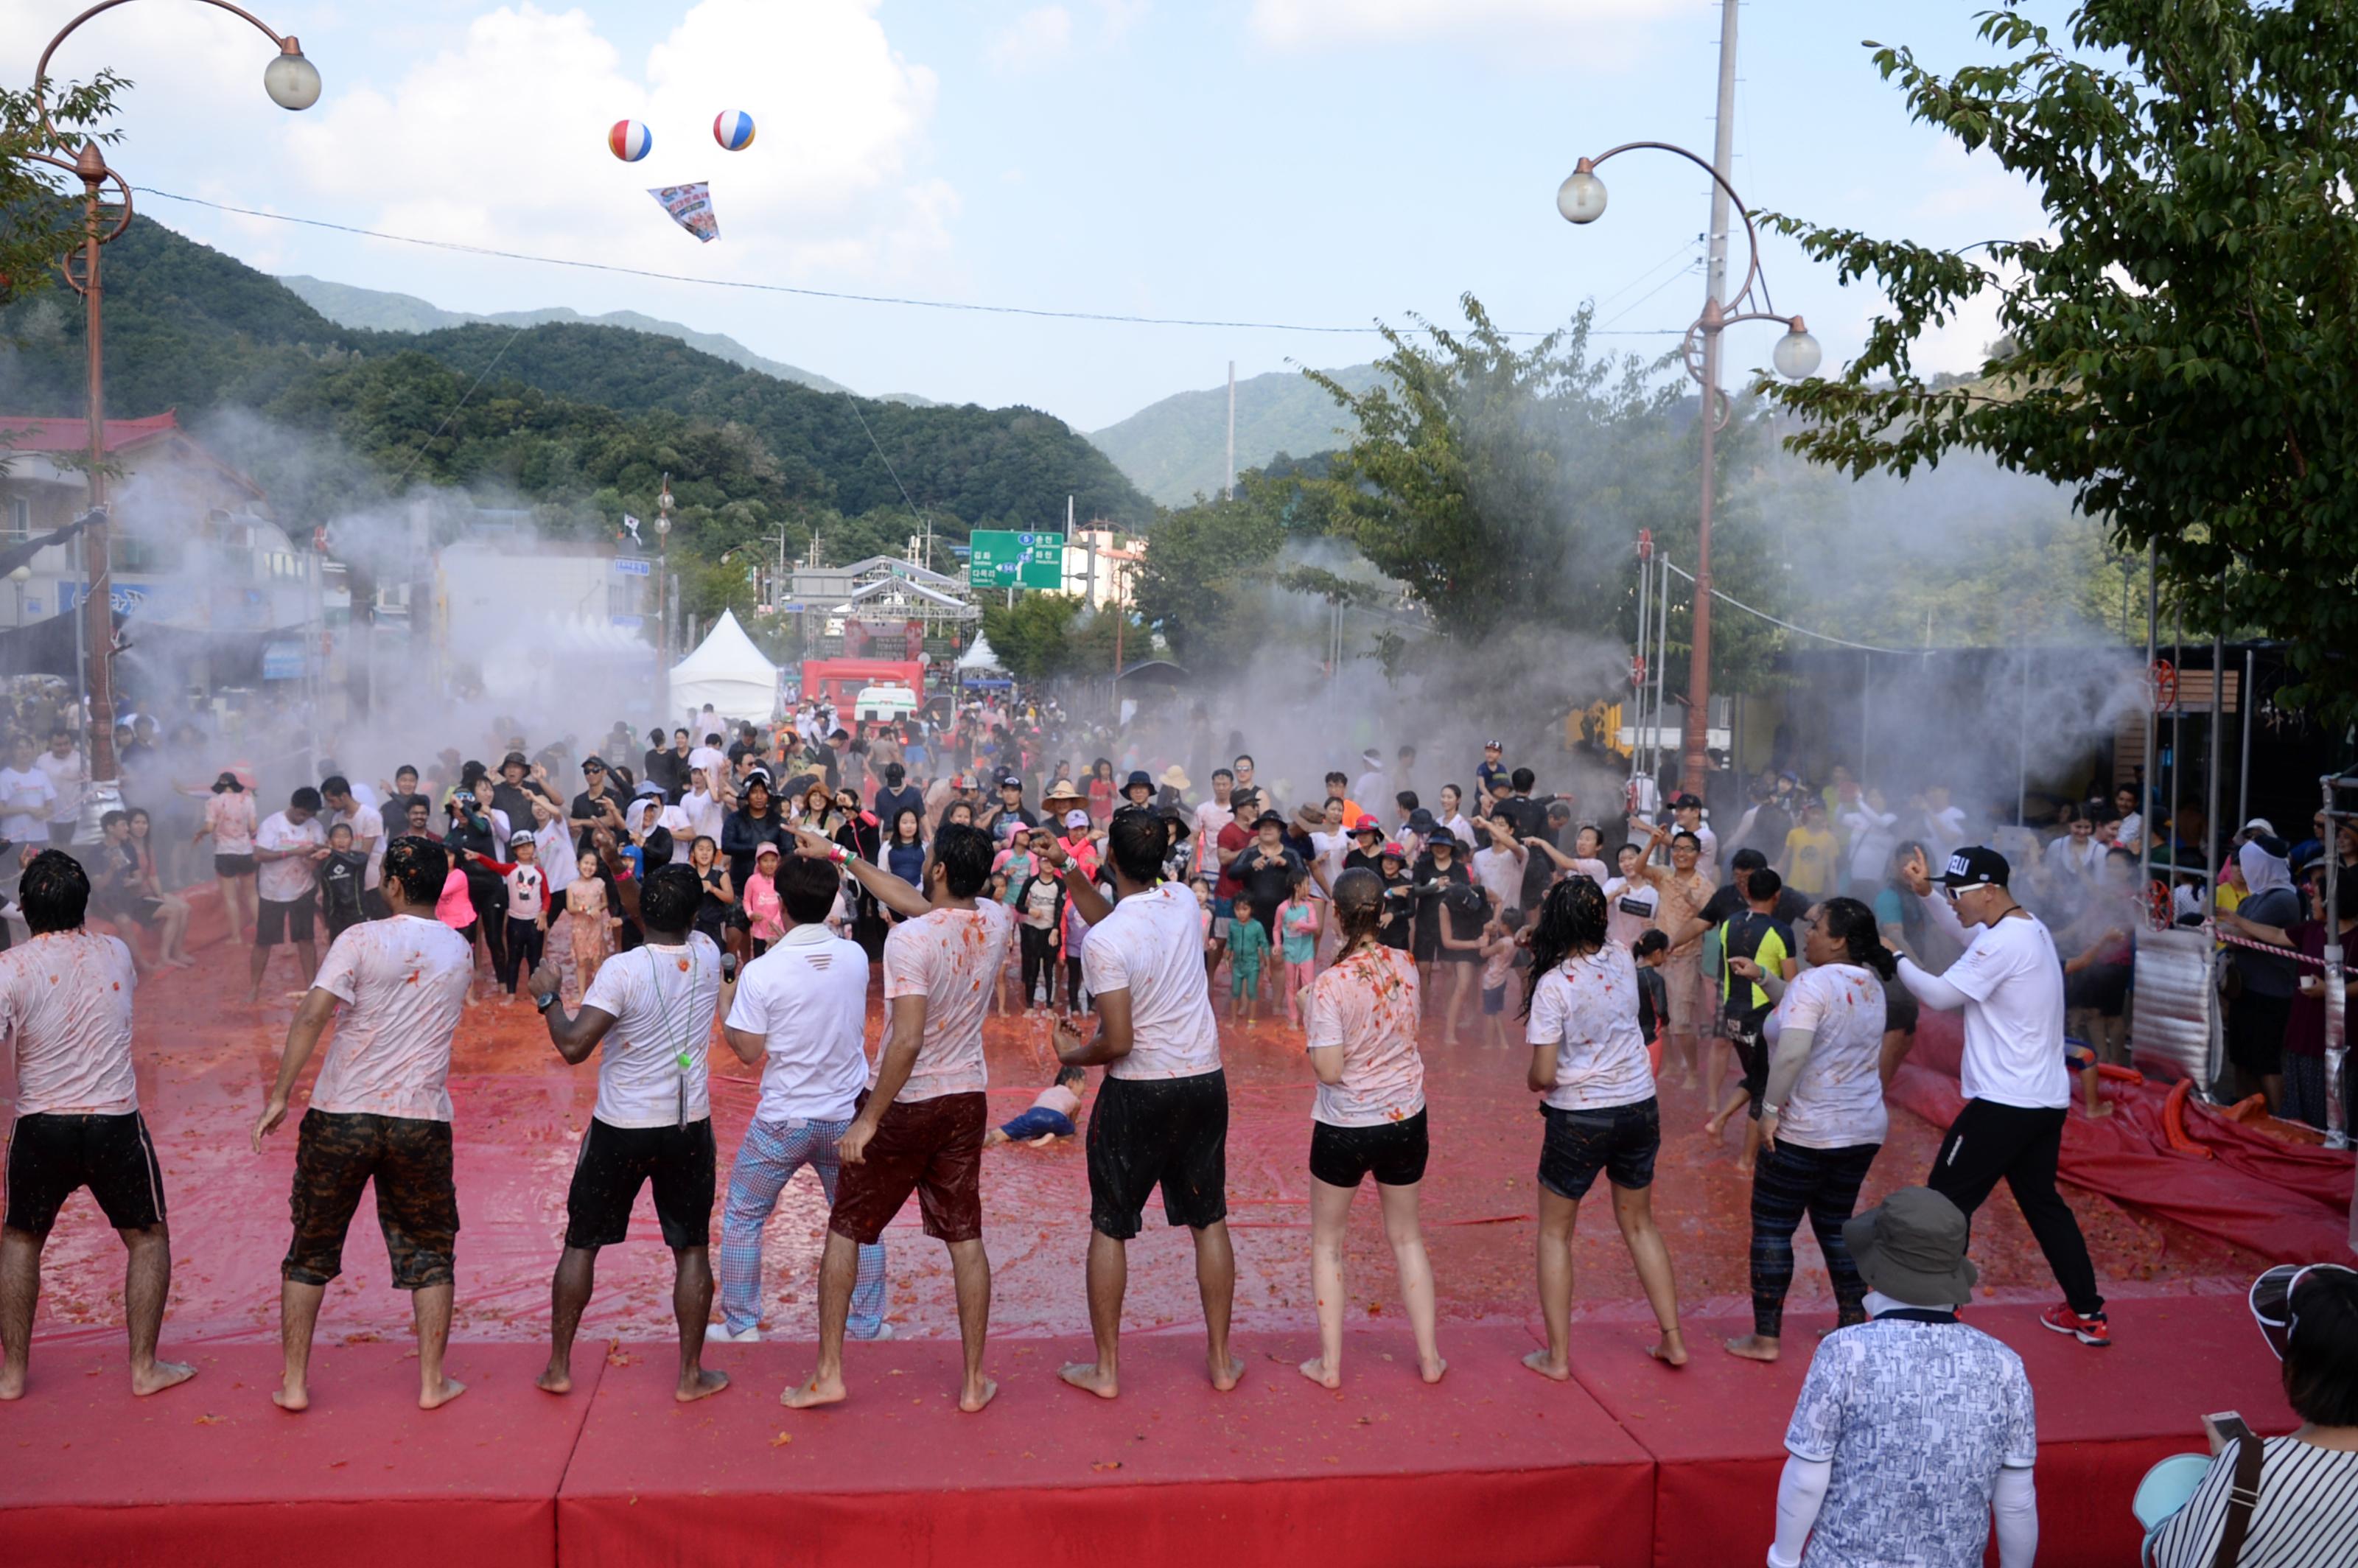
(1004, 558)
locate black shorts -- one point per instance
(280, 923)
(1166, 1133)
(338, 1152)
(1393, 1152)
(51, 1154)
(616, 1161)
(2255, 1032)
(233, 865)
(1619, 1140)
(2102, 987)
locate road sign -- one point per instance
(630, 566)
(1004, 558)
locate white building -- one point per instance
(1100, 567)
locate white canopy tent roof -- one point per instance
(727, 671)
(979, 657)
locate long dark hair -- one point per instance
(1358, 908)
(1852, 924)
(1571, 924)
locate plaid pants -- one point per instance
(773, 1151)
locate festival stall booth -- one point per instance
(727, 671)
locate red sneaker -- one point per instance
(2092, 1331)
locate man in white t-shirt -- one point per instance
(1211, 818)
(69, 778)
(366, 820)
(380, 1112)
(652, 1007)
(2009, 983)
(920, 1126)
(65, 1010)
(288, 846)
(1162, 1115)
(800, 1013)
(25, 796)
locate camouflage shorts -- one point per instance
(336, 1155)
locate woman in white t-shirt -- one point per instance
(1368, 1119)
(1588, 1058)
(1822, 1118)
(1633, 904)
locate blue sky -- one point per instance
(1327, 162)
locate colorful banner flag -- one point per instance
(690, 207)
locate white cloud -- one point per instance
(1039, 36)
(499, 139)
(1319, 24)
(1118, 16)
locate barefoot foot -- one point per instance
(811, 1395)
(703, 1386)
(434, 1396)
(1431, 1371)
(1670, 1349)
(1752, 1347)
(1089, 1377)
(1547, 1367)
(555, 1381)
(976, 1395)
(161, 1376)
(292, 1398)
(1225, 1377)
(1319, 1372)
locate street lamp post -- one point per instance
(1581, 199)
(663, 588)
(293, 82)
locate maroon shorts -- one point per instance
(933, 1147)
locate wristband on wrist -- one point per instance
(838, 855)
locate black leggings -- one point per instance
(1039, 959)
(1789, 1181)
(520, 954)
(1990, 1141)
(1073, 981)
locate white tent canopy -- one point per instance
(727, 671)
(979, 657)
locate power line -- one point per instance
(1788, 625)
(967, 306)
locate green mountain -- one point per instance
(579, 420)
(379, 310)
(1178, 448)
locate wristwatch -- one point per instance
(544, 1001)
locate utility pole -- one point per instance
(1230, 492)
(1693, 768)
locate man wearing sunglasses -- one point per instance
(2010, 985)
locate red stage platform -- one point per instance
(1631, 1463)
(1491, 1467)
(212, 1473)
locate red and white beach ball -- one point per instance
(630, 140)
(733, 129)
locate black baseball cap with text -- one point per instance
(1976, 865)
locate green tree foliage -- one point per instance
(43, 203)
(1030, 635)
(2179, 342)
(1505, 487)
(1203, 564)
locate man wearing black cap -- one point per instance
(1911, 1392)
(1686, 811)
(1265, 869)
(2010, 985)
(600, 804)
(1008, 816)
(1139, 789)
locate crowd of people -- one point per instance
(752, 876)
